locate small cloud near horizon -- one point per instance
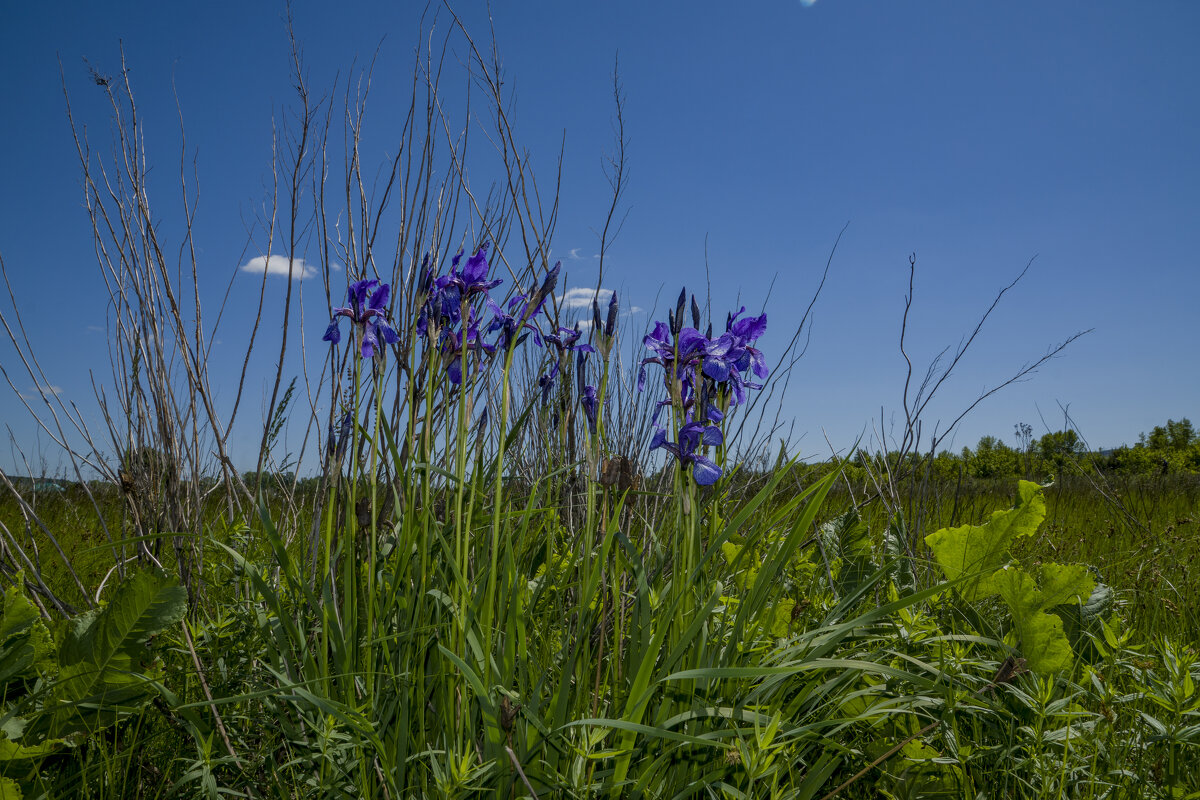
(807, 3)
(278, 265)
(573, 254)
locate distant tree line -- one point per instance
(1168, 449)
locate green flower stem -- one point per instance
(368, 659)
(497, 495)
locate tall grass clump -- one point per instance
(531, 558)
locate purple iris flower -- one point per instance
(568, 339)
(692, 436)
(720, 357)
(509, 323)
(521, 312)
(365, 307)
(703, 375)
(747, 331)
(564, 340)
(546, 382)
(459, 287)
(590, 404)
(676, 356)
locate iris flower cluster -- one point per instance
(457, 319)
(366, 304)
(705, 376)
(453, 306)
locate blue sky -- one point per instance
(977, 135)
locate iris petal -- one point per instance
(380, 298)
(333, 333)
(356, 296)
(717, 369)
(390, 336)
(477, 267)
(750, 328)
(691, 341)
(704, 471)
(758, 363)
(369, 341)
(712, 436)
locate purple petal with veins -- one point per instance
(705, 471)
(333, 333)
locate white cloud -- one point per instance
(36, 392)
(278, 265)
(581, 297)
(634, 310)
(573, 254)
(585, 325)
(807, 3)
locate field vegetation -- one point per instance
(526, 554)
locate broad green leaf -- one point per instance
(781, 624)
(9, 789)
(26, 646)
(111, 640)
(1098, 604)
(977, 551)
(104, 652)
(1065, 584)
(1018, 589)
(11, 751)
(1043, 642)
(847, 538)
(847, 535)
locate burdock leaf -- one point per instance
(979, 551)
(1064, 584)
(26, 646)
(1043, 642)
(1018, 589)
(781, 617)
(104, 652)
